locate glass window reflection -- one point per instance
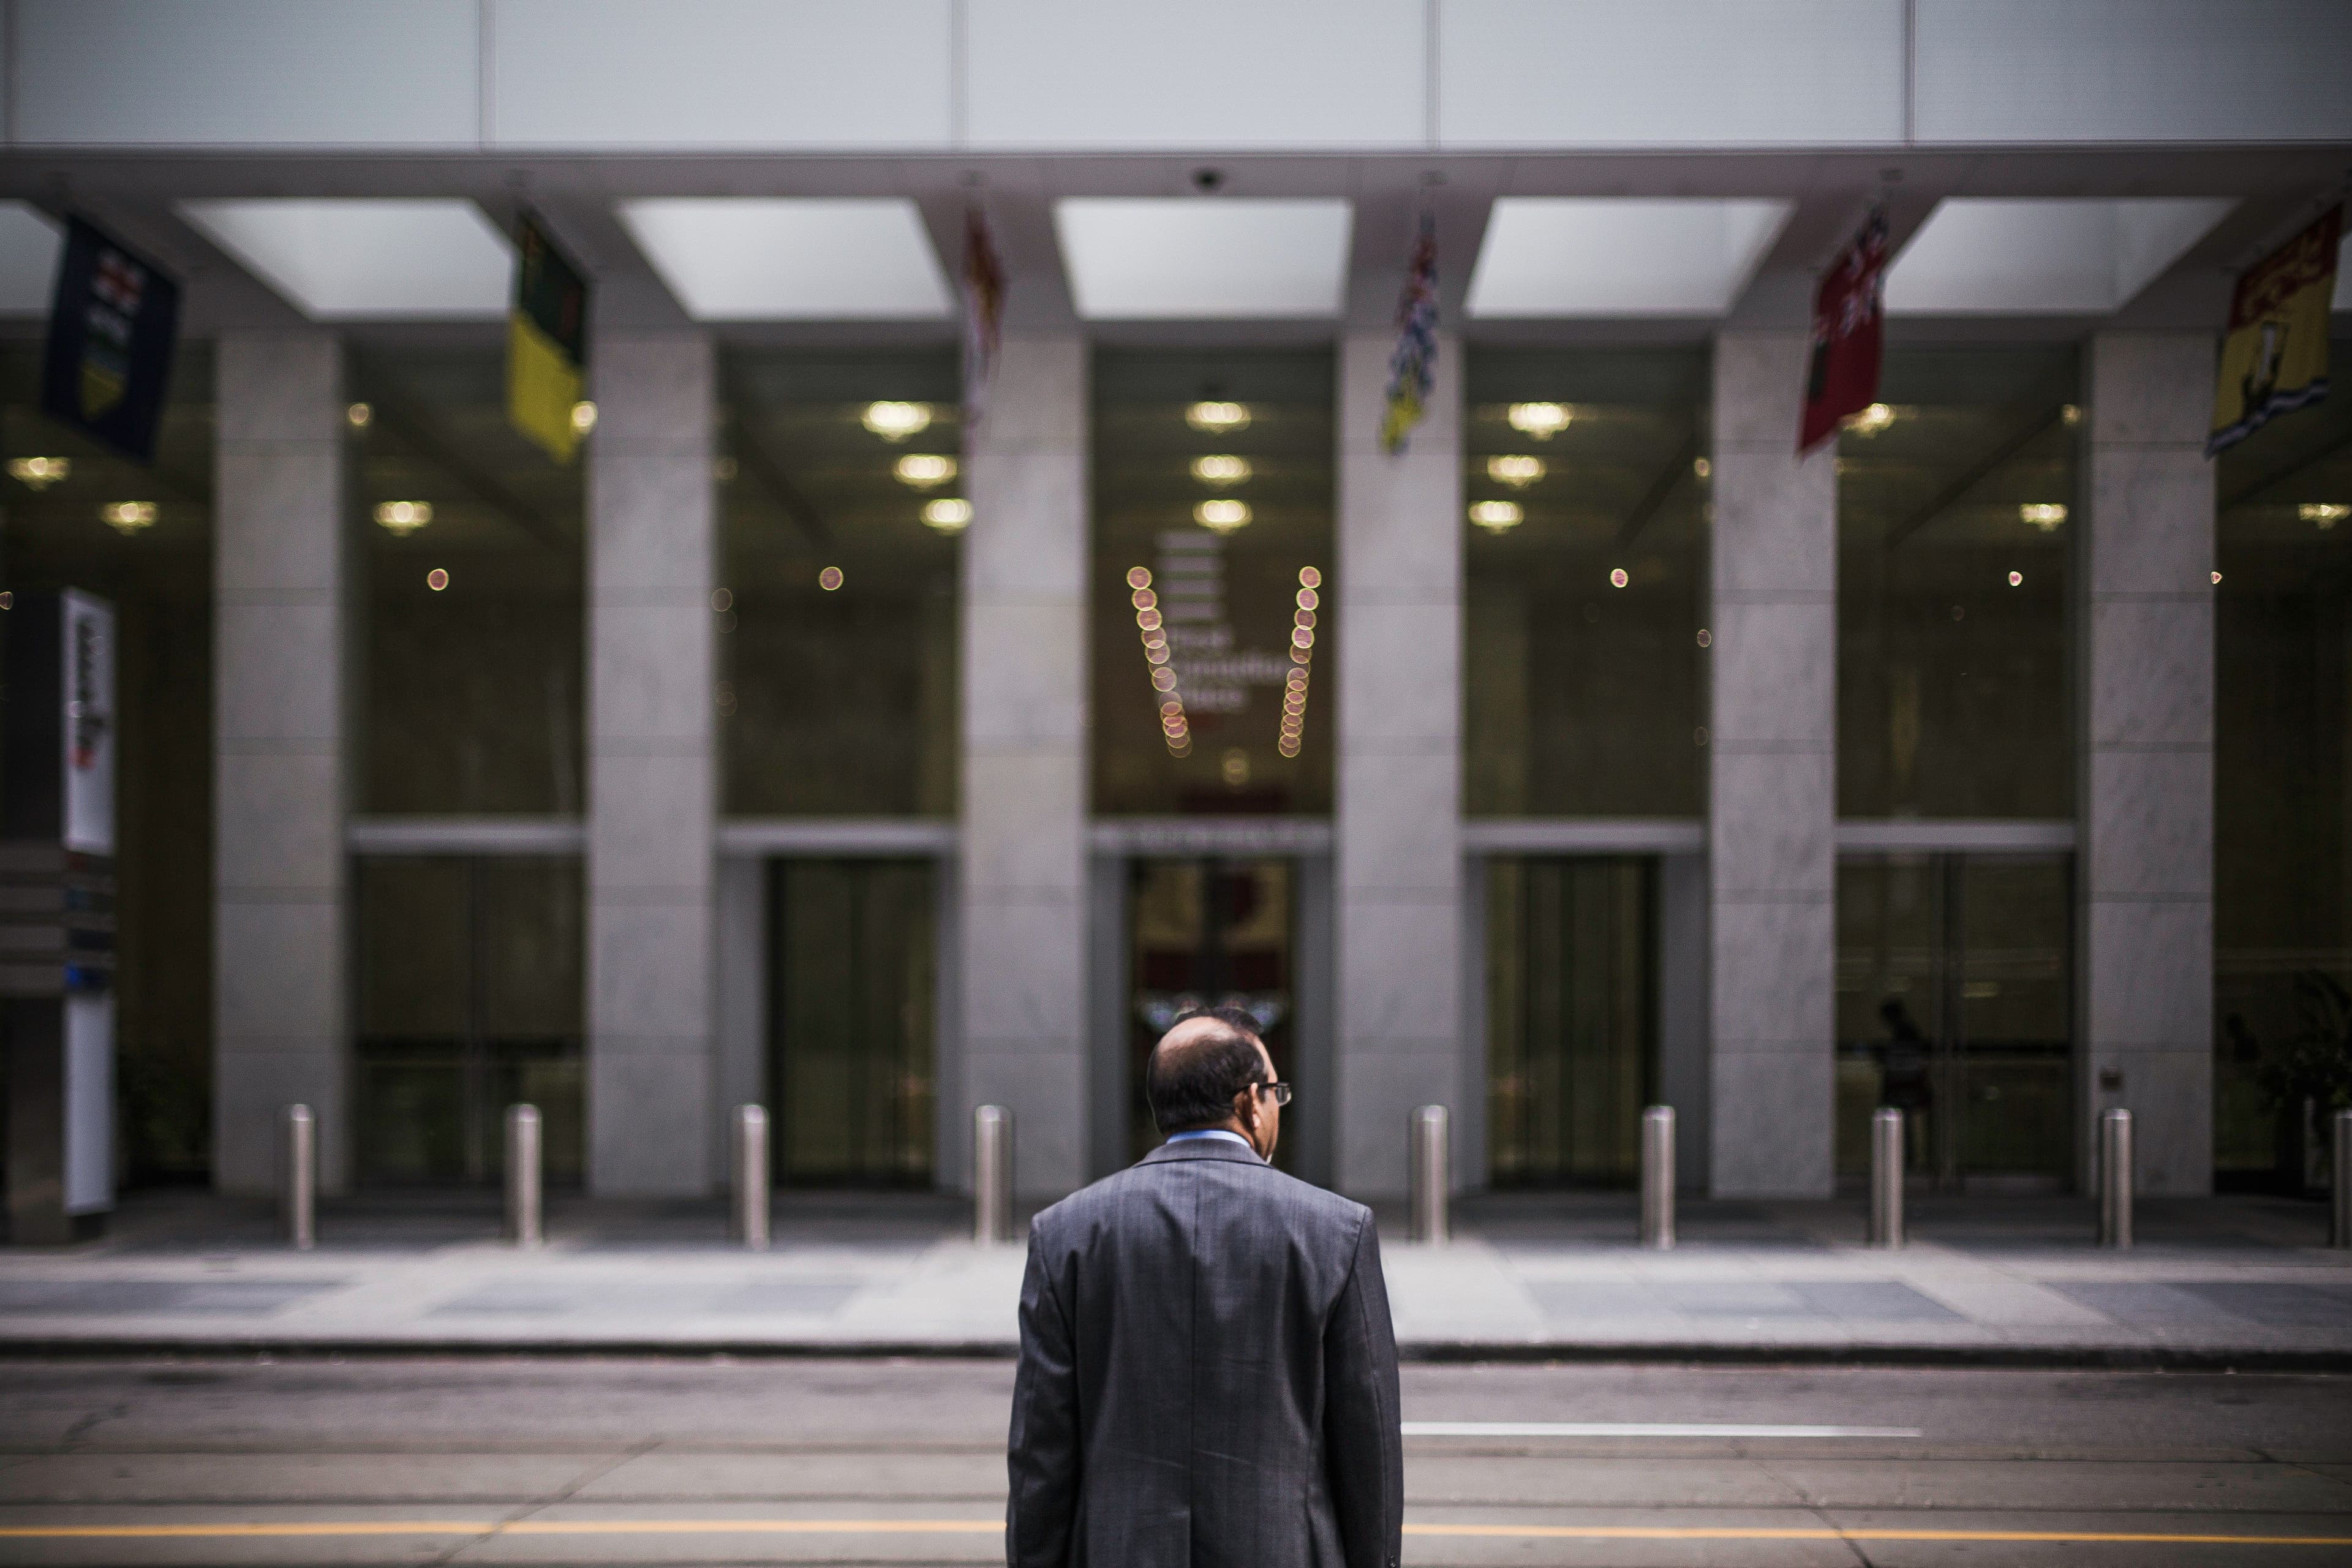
(841, 495)
(1585, 479)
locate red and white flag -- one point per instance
(983, 313)
(1842, 375)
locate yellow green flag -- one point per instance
(2274, 360)
(546, 344)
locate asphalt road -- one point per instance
(588, 1461)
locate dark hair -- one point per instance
(1193, 1086)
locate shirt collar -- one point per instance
(1229, 1137)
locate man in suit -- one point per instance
(1208, 1371)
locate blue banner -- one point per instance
(111, 331)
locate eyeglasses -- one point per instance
(1280, 1091)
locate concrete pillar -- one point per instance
(1397, 635)
(1022, 882)
(2145, 869)
(652, 774)
(1772, 796)
(281, 781)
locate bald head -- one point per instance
(1198, 1066)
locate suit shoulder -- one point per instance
(1100, 1200)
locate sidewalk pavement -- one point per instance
(2242, 1282)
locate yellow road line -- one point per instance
(990, 1527)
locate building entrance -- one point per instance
(852, 1021)
(1571, 1018)
(1210, 932)
(1955, 980)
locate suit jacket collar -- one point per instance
(1202, 1149)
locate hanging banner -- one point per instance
(1849, 315)
(2275, 359)
(1412, 369)
(112, 325)
(546, 344)
(983, 315)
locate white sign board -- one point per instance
(87, 690)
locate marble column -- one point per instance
(281, 780)
(652, 778)
(1396, 632)
(1022, 869)
(1772, 794)
(2145, 874)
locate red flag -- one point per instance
(1842, 379)
(983, 313)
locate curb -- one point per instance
(2081, 1358)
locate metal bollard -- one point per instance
(1658, 1177)
(1886, 1177)
(2116, 1179)
(301, 1194)
(2339, 1200)
(751, 1223)
(523, 1188)
(1429, 1151)
(992, 1175)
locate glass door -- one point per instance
(1208, 932)
(852, 1014)
(1955, 1005)
(1571, 1018)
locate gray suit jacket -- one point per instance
(1208, 1375)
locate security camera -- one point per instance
(1208, 181)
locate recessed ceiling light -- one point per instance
(1166, 260)
(39, 473)
(1542, 420)
(348, 260)
(1218, 418)
(924, 469)
(1221, 470)
(1515, 471)
(2044, 515)
(896, 421)
(1619, 256)
(1871, 420)
(583, 417)
(829, 579)
(742, 258)
(2009, 257)
(127, 517)
(2326, 514)
(949, 514)
(1496, 516)
(402, 517)
(1221, 516)
(358, 415)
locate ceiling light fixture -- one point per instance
(1517, 472)
(1871, 420)
(1218, 418)
(1221, 470)
(358, 415)
(1541, 420)
(1496, 516)
(402, 517)
(2325, 514)
(1617, 577)
(2017, 579)
(896, 421)
(39, 473)
(2044, 515)
(924, 469)
(127, 517)
(829, 579)
(436, 579)
(1221, 516)
(949, 514)
(583, 417)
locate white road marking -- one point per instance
(1641, 1429)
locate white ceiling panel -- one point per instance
(1547, 256)
(1185, 259)
(755, 259)
(2056, 257)
(29, 244)
(368, 260)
